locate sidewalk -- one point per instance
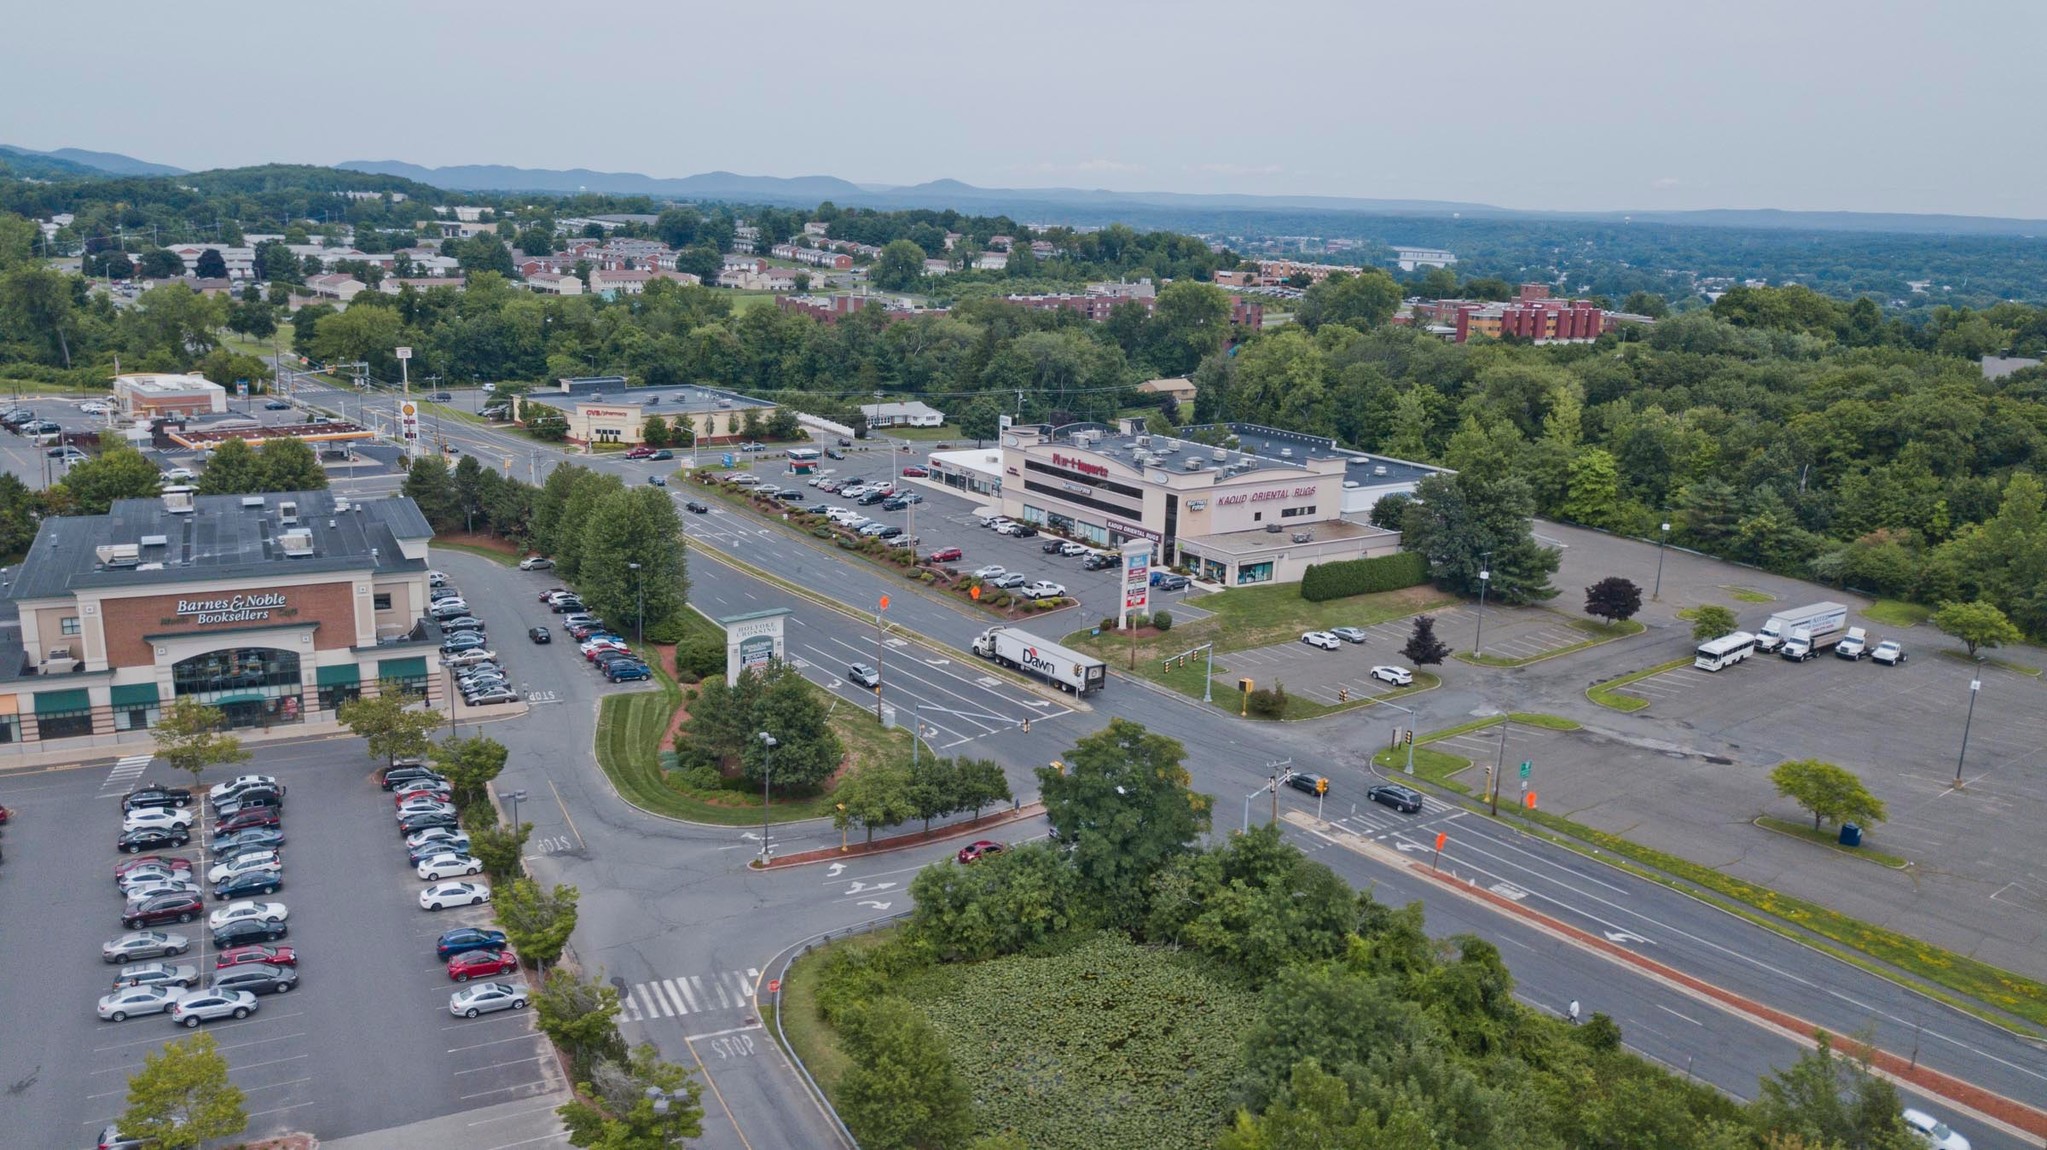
(526, 1122)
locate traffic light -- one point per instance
(1321, 786)
(1245, 685)
(1343, 694)
(1408, 738)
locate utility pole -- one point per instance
(880, 647)
(1485, 576)
(1499, 764)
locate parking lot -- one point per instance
(1314, 672)
(365, 1041)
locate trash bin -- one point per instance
(1851, 834)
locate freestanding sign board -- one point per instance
(752, 641)
(1136, 580)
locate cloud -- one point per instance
(1229, 169)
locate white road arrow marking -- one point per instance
(938, 662)
(862, 887)
(1624, 936)
(833, 872)
(876, 905)
(1404, 847)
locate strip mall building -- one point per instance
(274, 608)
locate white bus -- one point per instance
(1725, 651)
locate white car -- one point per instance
(197, 1006)
(426, 805)
(437, 578)
(536, 563)
(179, 475)
(457, 840)
(1072, 549)
(1398, 676)
(469, 658)
(1045, 589)
(153, 886)
(239, 784)
(991, 571)
(485, 997)
(447, 894)
(247, 910)
(161, 818)
(260, 860)
(1934, 1132)
(855, 522)
(834, 511)
(448, 865)
(93, 407)
(1322, 639)
(133, 1000)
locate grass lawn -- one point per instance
(11, 386)
(491, 553)
(1897, 613)
(1750, 595)
(1831, 840)
(745, 301)
(1437, 767)
(815, 1042)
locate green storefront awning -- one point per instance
(136, 695)
(55, 702)
(230, 700)
(402, 668)
(340, 675)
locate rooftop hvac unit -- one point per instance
(119, 554)
(156, 541)
(297, 544)
(249, 501)
(1144, 441)
(288, 512)
(178, 500)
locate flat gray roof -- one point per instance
(690, 400)
(221, 539)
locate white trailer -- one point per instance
(1047, 660)
(1817, 621)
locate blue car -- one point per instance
(462, 940)
(627, 672)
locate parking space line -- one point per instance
(269, 1062)
(282, 1109)
(507, 1062)
(536, 1084)
(555, 1137)
(492, 1042)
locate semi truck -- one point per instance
(1817, 621)
(1060, 666)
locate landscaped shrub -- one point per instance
(1363, 576)
(1163, 620)
(1268, 703)
(1108, 623)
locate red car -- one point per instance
(640, 452)
(162, 908)
(482, 964)
(946, 555)
(121, 869)
(915, 473)
(250, 955)
(243, 820)
(981, 849)
(406, 791)
(5, 814)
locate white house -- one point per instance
(912, 414)
(337, 286)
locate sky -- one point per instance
(1566, 104)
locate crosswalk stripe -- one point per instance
(628, 1006)
(675, 994)
(690, 986)
(647, 1006)
(660, 1000)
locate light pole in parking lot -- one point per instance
(1485, 577)
(768, 745)
(1660, 545)
(640, 592)
(513, 798)
(1975, 686)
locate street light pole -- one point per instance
(1975, 685)
(768, 745)
(1499, 764)
(1485, 577)
(513, 798)
(1660, 545)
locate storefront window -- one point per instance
(331, 698)
(64, 724)
(10, 728)
(135, 718)
(1255, 573)
(252, 686)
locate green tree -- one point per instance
(498, 847)
(1613, 599)
(981, 419)
(1976, 625)
(793, 711)
(1832, 1101)
(1711, 621)
(616, 1111)
(899, 267)
(625, 527)
(655, 432)
(1125, 803)
(469, 765)
(934, 788)
(876, 795)
(37, 309)
(1316, 1110)
(1002, 904)
(290, 465)
(1256, 903)
(1362, 301)
(1594, 490)
(92, 485)
(428, 484)
(1828, 791)
(982, 783)
(580, 1015)
(1465, 523)
(537, 922)
(389, 724)
(182, 1098)
(210, 265)
(1423, 647)
(162, 264)
(232, 468)
(21, 512)
(899, 1090)
(1188, 324)
(188, 737)
(361, 334)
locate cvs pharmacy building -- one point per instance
(276, 609)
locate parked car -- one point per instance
(396, 776)
(464, 939)
(1396, 796)
(249, 910)
(470, 658)
(991, 571)
(448, 865)
(155, 795)
(162, 908)
(162, 817)
(1398, 676)
(1169, 581)
(1045, 589)
(536, 563)
(442, 895)
(864, 675)
(915, 473)
(624, 672)
(166, 863)
(482, 964)
(256, 956)
(248, 931)
(255, 978)
(976, 851)
(243, 820)
(1010, 581)
(1096, 560)
(152, 838)
(133, 1001)
(256, 838)
(262, 880)
(242, 783)
(485, 997)
(945, 555)
(200, 1006)
(1348, 634)
(420, 822)
(1056, 546)
(141, 944)
(1322, 639)
(156, 974)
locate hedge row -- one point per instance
(1363, 576)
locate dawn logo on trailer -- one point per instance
(1033, 660)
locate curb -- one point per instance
(904, 842)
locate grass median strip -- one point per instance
(1608, 694)
(1600, 632)
(1437, 767)
(1831, 841)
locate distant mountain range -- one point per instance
(78, 162)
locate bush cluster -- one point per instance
(1268, 702)
(1349, 577)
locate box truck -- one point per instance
(1047, 660)
(1817, 621)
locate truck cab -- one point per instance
(1798, 648)
(1853, 646)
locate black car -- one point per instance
(156, 795)
(1052, 546)
(834, 453)
(256, 978)
(568, 605)
(1312, 784)
(1023, 531)
(421, 822)
(1095, 561)
(789, 496)
(464, 939)
(1170, 582)
(397, 775)
(540, 635)
(243, 932)
(248, 884)
(1398, 797)
(253, 838)
(152, 839)
(695, 508)
(249, 800)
